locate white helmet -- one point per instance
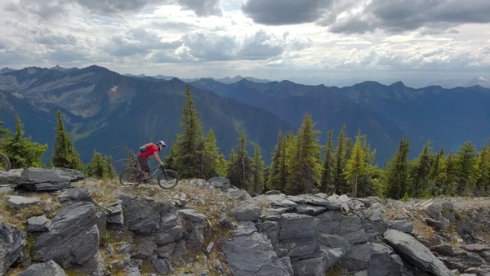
(161, 144)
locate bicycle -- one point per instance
(4, 162)
(167, 179)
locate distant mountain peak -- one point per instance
(398, 84)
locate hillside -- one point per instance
(103, 109)
(211, 228)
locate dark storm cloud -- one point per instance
(360, 16)
(211, 47)
(285, 12)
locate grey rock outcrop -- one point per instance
(220, 183)
(12, 242)
(38, 179)
(11, 177)
(74, 236)
(75, 195)
(19, 202)
(415, 253)
(49, 268)
(251, 253)
(38, 224)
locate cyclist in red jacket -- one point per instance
(146, 151)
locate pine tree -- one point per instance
(305, 169)
(483, 169)
(21, 151)
(64, 153)
(257, 171)
(449, 177)
(434, 177)
(466, 166)
(100, 166)
(273, 178)
(190, 144)
(421, 171)
(209, 157)
(339, 177)
(239, 171)
(327, 174)
(397, 171)
(356, 166)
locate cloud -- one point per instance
(202, 7)
(361, 16)
(285, 12)
(137, 41)
(43, 10)
(213, 47)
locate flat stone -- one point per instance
(19, 202)
(192, 214)
(38, 224)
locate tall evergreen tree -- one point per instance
(100, 166)
(435, 172)
(356, 166)
(305, 169)
(397, 171)
(327, 174)
(466, 166)
(64, 153)
(273, 178)
(449, 177)
(483, 169)
(209, 157)
(421, 171)
(340, 183)
(21, 151)
(257, 171)
(190, 144)
(239, 172)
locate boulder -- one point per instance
(247, 213)
(75, 195)
(220, 183)
(405, 226)
(38, 224)
(415, 253)
(19, 202)
(74, 236)
(309, 267)
(49, 268)
(251, 253)
(163, 266)
(11, 177)
(144, 216)
(39, 179)
(115, 219)
(12, 242)
(296, 226)
(192, 215)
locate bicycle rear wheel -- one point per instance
(4, 163)
(130, 177)
(168, 179)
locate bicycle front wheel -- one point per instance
(130, 177)
(168, 179)
(4, 163)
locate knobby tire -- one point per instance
(4, 163)
(168, 179)
(130, 177)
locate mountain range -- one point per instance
(102, 109)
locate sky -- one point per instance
(306, 41)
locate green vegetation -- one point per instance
(21, 151)
(100, 167)
(64, 154)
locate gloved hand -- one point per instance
(162, 166)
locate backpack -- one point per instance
(146, 146)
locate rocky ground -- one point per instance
(56, 222)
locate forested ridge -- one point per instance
(299, 163)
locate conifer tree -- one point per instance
(273, 178)
(257, 171)
(449, 176)
(327, 174)
(397, 171)
(421, 171)
(190, 144)
(21, 152)
(483, 169)
(305, 169)
(286, 159)
(64, 153)
(339, 177)
(239, 171)
(221, 165)
(100, 166)
(209, 157)
(356, 166)
(434, 178)
(466, 166)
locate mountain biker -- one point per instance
(146, 151)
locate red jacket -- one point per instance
(149, 151)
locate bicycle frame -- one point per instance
(154, 171)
